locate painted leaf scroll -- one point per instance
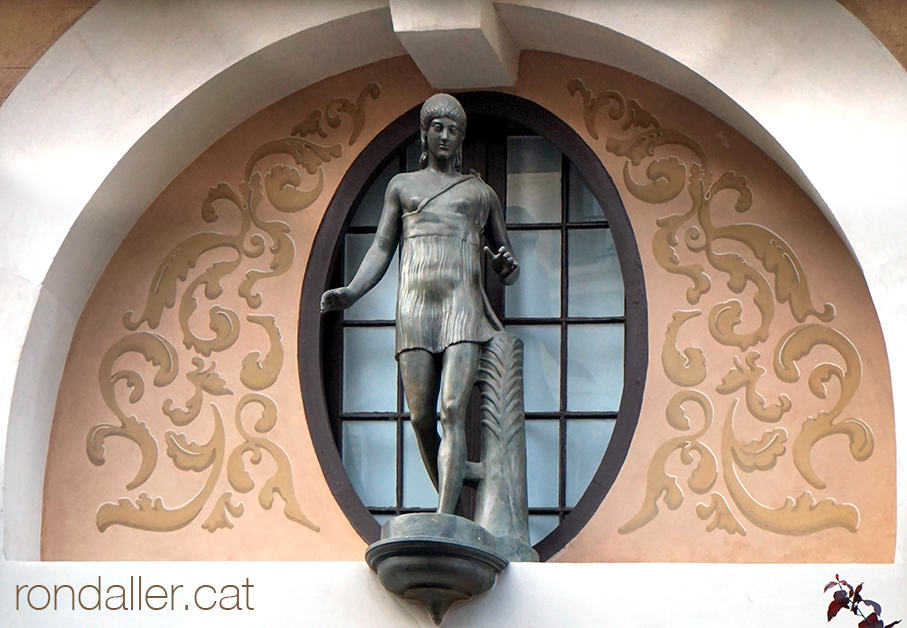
(208, 285)
(749, 291)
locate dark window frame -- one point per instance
(317, 336)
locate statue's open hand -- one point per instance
(337, 299)
(503, 261)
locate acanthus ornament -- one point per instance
(769, 273)
(269, 182)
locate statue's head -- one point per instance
(437, 107)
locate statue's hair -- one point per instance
(440, 106)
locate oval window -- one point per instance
(579, 308)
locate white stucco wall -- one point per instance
(640, 595)
(134, 91)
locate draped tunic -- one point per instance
(440, 299)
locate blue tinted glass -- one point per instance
(369, 370)
(541, 526)
(380, 302)
(382, 518)
(595, 367)
(369, 210)
(541, 366)
(533, 180)
(542, 453)
(413, 151)
(537, 291)
(418, 491)
(369, 457)
(582, 206)
(587, 440)
(595, 284)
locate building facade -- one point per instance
(181, 183)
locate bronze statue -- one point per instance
(448, 339)
(437, 216)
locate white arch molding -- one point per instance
(132, 93)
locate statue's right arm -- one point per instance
(377, 258)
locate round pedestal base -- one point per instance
(435, 559)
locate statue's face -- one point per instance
(444, 138)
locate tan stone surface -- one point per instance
(27, 30)
(29, 27)
(887, 19)
(75, 488)
(9, 78)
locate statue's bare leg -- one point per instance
(458, 374)
(421, 377)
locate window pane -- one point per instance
(369, 370)
(380, 302)
(537, 291)
(369, 210)
(370, 459)
(541, 526)
(581, 205)
(587, 440)
(382, 518)
(541, 366)
(595, 367)
(413, 152)
(533, 180)
(595, 283)
(542, 464)
(418, 491)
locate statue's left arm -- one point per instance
(503, 257)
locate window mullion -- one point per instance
(398, 495)
(565, 286)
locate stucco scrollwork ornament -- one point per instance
(749, 273)
(285, 175)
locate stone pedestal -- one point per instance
(437, 559)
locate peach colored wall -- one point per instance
(775, 519)
(887, 20)
(77, 488)
(153, 260)
(27, 29)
